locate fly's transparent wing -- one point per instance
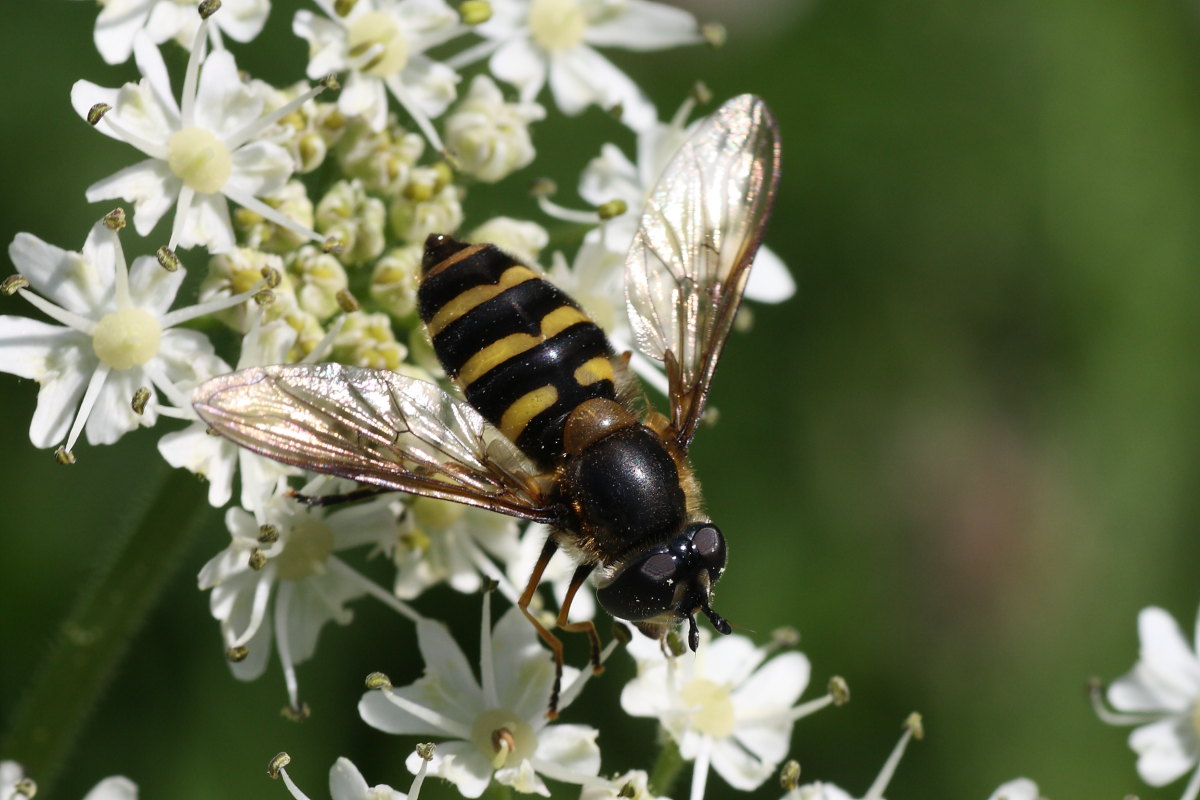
(376, 427)
(691, 256)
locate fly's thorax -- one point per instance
(625, 489)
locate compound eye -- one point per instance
(709, 545)
(644, 589)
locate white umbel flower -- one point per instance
(120, 20)
(116, 336)
(725, 705)
(280, 580)
(489, 137)
(1161, 695)
(213, 146)
(540, 41)
(496, 723)
(380, 46)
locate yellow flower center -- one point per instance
(556, 25)
(377, 31)
(712, 707)
(308, 546)
(503, 737)
(127, 338)
(199, 159)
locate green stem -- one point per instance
(667, 768)
(95, 636)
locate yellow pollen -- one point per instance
(127, 338)
(308, 546)
(712, 709)
(503, 737)
(376, 30)
(556, 25)
(199, 159)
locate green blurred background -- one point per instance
(959, 461)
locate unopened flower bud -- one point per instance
(612, 209)
(475, 12)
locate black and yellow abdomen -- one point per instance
(521, 350)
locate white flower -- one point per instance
(347, 783)
(827, 791)
(539, 40)
(722, 705)
(1161, 694)
(612, 176)
(497, 722)
(1019, 789)
(444, 541)
(117, 337)
(213, 145)
(381, 43)
(633, 785)
(488, 137)
(15, 786)
(280, 580)
(120, 20)
(215, 457)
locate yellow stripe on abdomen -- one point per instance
(477, 295)
(593, 370)
(517, 416)
(515, 344)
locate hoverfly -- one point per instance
(550, 430)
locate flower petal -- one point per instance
(260, 168)
(207, 223)
(116, 26)
(769, 281)
(148, 184)
(643, 25)
(739, 769)
(581, 77)
(150, 63)
(210, 457)
(1019, 789)
(224, 103)
(570, 747)
(152, 288)
(1166, 749)
(74, 281)
(346, 782)
(365, 96)
(521, 65)
(116, 787)
(777, 684)
(242, 20)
